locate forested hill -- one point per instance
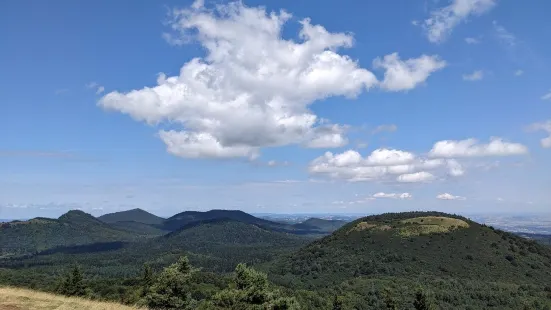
(436, 249)
(134, 215)
(186, 218)
(182, 219)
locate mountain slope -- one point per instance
(73, 228)
(320, 224)
(134, 215)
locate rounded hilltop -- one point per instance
(414, 245)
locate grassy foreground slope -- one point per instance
(22, 299)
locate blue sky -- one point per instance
(348, 107)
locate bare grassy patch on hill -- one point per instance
(22, 299)
(362, 226)
(430, 225)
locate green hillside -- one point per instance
(215, 246)
(320, 224)
(72, 228)
(138, 228)
(446, 253)
(134, 215)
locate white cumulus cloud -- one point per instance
(405, 75)
(381, 164)
(252, 88)
(416, 177)
(442, 21)
(471, 148)
(447, 196)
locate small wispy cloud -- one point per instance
(61, 91)
(385, 128)
(443, 20)
(519, 73)
(546, 96)
(274, 163)
(475, 76)
(448, 196)
(54, 154)
(96, 87)
(472, 40)
(504, 35)
(393, 195)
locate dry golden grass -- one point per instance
(431, 225)
(22, 299)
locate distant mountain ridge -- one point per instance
(182, 219)
(135, 215)
(324, 225)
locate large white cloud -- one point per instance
(253, 89)
(381, 164)
(406, 167)
(442, 21)
(471, 148)
(545, 126)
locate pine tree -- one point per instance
(73, 283)
(251, 290)
(171, 288)
(423, 301)
(147, 279)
